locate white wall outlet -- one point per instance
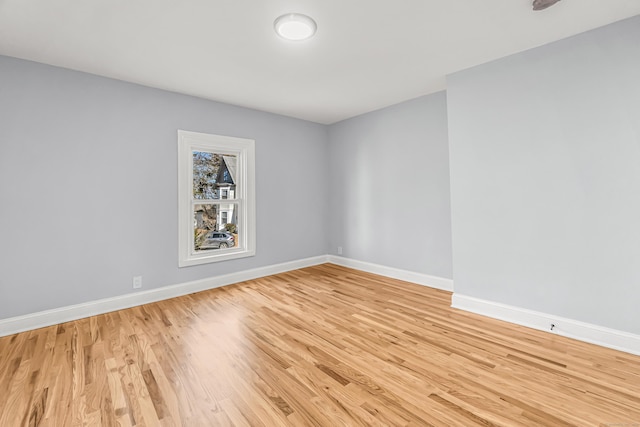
(137, 282)
(339, 250)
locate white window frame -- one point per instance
(244, 197)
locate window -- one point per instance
(216, 194)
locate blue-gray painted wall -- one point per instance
(389, 197)
(545, 178)
(88, 186)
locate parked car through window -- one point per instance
(217, 240)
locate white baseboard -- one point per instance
(599, 335)
(394, 273)
(41, 319)
(611, 338)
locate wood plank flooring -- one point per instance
(321, 346)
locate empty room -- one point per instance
(320, 213)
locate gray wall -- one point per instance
(545, 178)
(88, 191)
(389, 187)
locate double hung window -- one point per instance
(216, 217)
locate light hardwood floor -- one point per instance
(322, 346)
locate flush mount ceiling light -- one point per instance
(295, 26)
(543, 4)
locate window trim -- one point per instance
(244, 149)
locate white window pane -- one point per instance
(214, 218)
(213, 175)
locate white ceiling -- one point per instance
(367, 54)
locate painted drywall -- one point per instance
(545, 178)
(389, 193)
(88, 186)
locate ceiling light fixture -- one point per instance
(295, 26)
(543, 4)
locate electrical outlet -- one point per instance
(137, 282)
(339, 250)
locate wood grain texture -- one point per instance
(321, 346)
